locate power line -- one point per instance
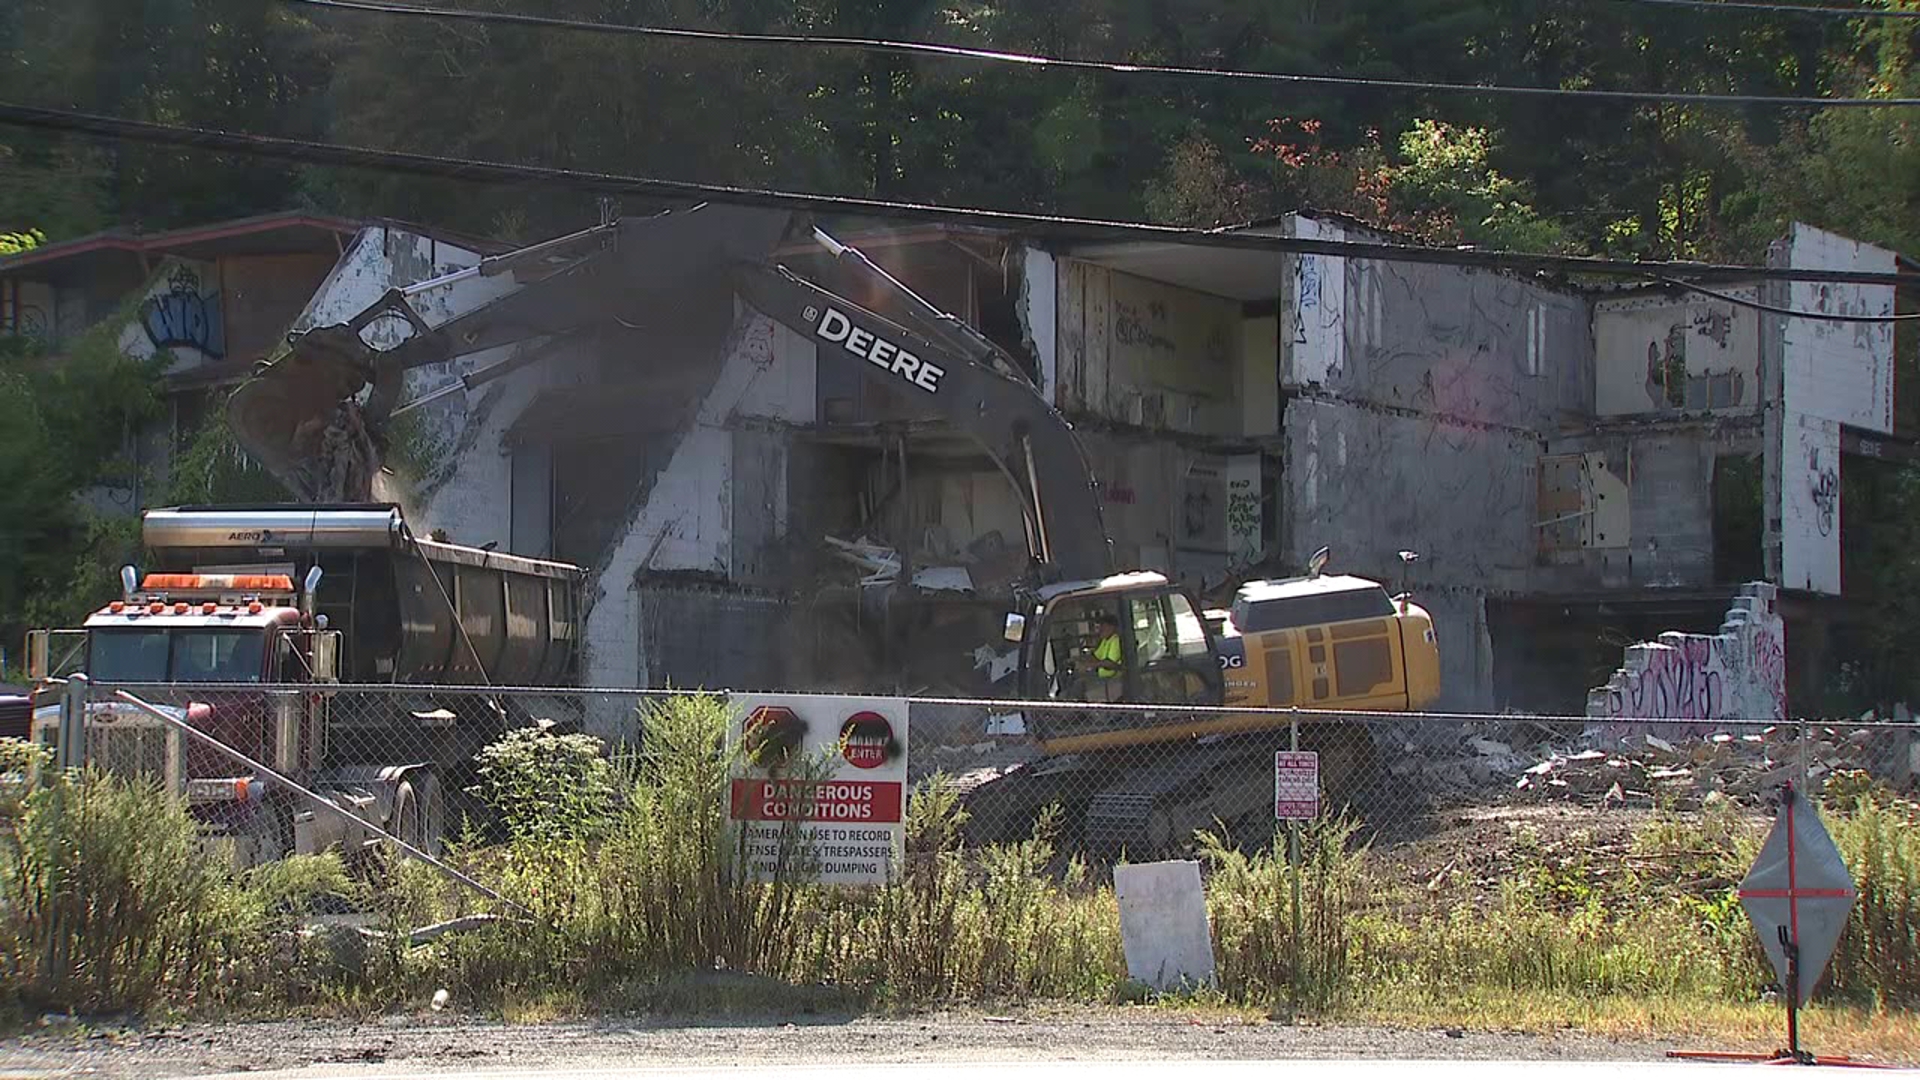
(1108, 67)
(1792, 313)
(1045, 226)
(1796, 9)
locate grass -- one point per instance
(640, 904)
(1692, 1023)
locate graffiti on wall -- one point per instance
(1739, 673)
(1823, 487)
(1244, 539)
(1682, 681)
(184, 316)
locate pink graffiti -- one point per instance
(1682, 681)
(1768, 667)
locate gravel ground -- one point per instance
(454, 1044)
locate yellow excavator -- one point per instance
(1091, 638)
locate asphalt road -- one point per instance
(1121, 1043)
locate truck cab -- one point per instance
(221, 640)
(1165, 652)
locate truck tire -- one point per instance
(418, 813)
(271, 833)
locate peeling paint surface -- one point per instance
(1658, 355)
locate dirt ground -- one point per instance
(456, 1044)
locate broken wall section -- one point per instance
(1418, 402)
(1738, 674)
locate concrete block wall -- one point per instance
(1369, 485)
(1738, 674)
(684, 521)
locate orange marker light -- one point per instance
(117, 606)
(254, 608)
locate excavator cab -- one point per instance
(1128, 639)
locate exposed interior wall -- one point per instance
(1141, 353)
(1739, 673)
(1258, 385)
(1636, 508)
(1657, 355)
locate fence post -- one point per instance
(71, 753)
(1293, 861)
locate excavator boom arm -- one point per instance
(1029, 440)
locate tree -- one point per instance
(13, 243)
(70, 425)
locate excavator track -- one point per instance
(1223, 785)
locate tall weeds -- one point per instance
(1879, 954)
(109, 902)
(637, 880)
(1251, 904)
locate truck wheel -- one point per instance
(417, 813)
(270, 833)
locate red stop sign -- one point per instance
(769, 714)
(772, 733)
(866, 740)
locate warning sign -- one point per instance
(1296, 785)
(1798, 895)
(849, 818)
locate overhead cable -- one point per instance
(1818, 10)
(1109, 67)
(1789, 312)
(1067, 231)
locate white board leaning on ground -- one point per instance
(850, 819)
(1163, 924)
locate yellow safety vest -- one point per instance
(1109, 650)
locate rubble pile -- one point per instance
(969, 766)
(1533, 761)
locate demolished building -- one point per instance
(1576, 470)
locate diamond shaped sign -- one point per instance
(1799, 883)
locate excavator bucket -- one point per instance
(299, 418)
(302, 418)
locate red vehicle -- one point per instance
(375, 605)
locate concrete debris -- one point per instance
(969, 766)
(1532, 761)
(882, 565)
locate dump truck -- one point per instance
(244, 618)
(1133, 780)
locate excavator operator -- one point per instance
(1106, 654)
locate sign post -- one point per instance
(851, 814)
(1296, 798)
(1798, 895)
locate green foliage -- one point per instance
(72, 425)
(213, 469)
(546, 786)
(18, 760)
(109, 903)
(13, 243)
(1250, 904)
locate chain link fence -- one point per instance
(1120, 781)
(1410, 819)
